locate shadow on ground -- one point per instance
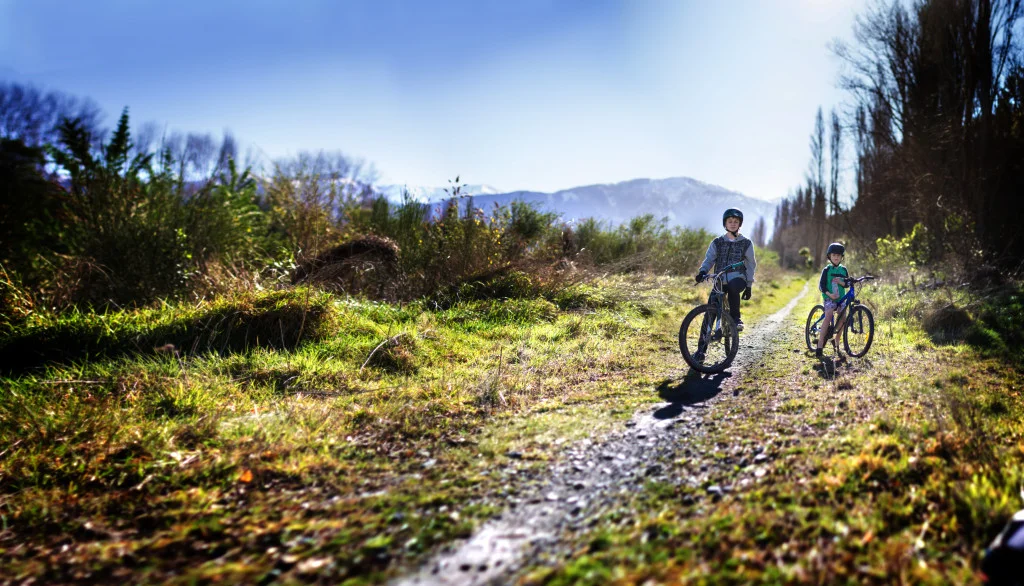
(692, 389)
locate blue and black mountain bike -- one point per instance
(708, 338)
(858, 327)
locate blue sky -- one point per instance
(524, 94)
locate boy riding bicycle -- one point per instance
(728, 249)
(831, 284)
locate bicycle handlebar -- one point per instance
(849, 281)
(730, 268)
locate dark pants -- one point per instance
(733, 288)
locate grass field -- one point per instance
(295, 437)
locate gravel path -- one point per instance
(592, 479)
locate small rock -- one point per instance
(312, 565)
(552, 496)
(653, 470)
(579, 485)
(465, 566)
(515, 455)
(762, 457)
(631, 424)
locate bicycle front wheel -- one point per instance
(859, 331)
(815, 321)
(708, 340)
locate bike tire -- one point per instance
(862, 323)
(721, 350)
(810, 329)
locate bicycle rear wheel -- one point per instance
(859, 331)
(813, 326)
(707, 344)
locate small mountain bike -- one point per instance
(708, 338)
(858, 328)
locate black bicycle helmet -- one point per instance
(732, 213)
(835, 248)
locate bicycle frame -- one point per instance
(718, 296)
(843, 303)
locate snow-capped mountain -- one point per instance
(432, 194)
(683, 201)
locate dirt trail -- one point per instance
(591, 478)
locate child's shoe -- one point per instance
(739, 325)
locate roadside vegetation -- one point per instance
(298, 434)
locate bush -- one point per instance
(945, 322)
(643, 244)
(900, 258)
(125, 233)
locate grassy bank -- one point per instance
(299, 436)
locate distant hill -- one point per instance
(683, 201)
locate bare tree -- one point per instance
(33, 116)
(835, 144)
(929, 79)
(759, 232)
(312, 195)
(816, 185)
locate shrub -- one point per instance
(899, 258)
(126, 235)
(945, 322)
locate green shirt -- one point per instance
(825, 284)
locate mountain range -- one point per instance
(682, 201)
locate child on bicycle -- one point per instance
(727, 249)
(831, 284)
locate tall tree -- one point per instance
(835, 144)
(816, 185)
(929, 80)
(759, 232)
